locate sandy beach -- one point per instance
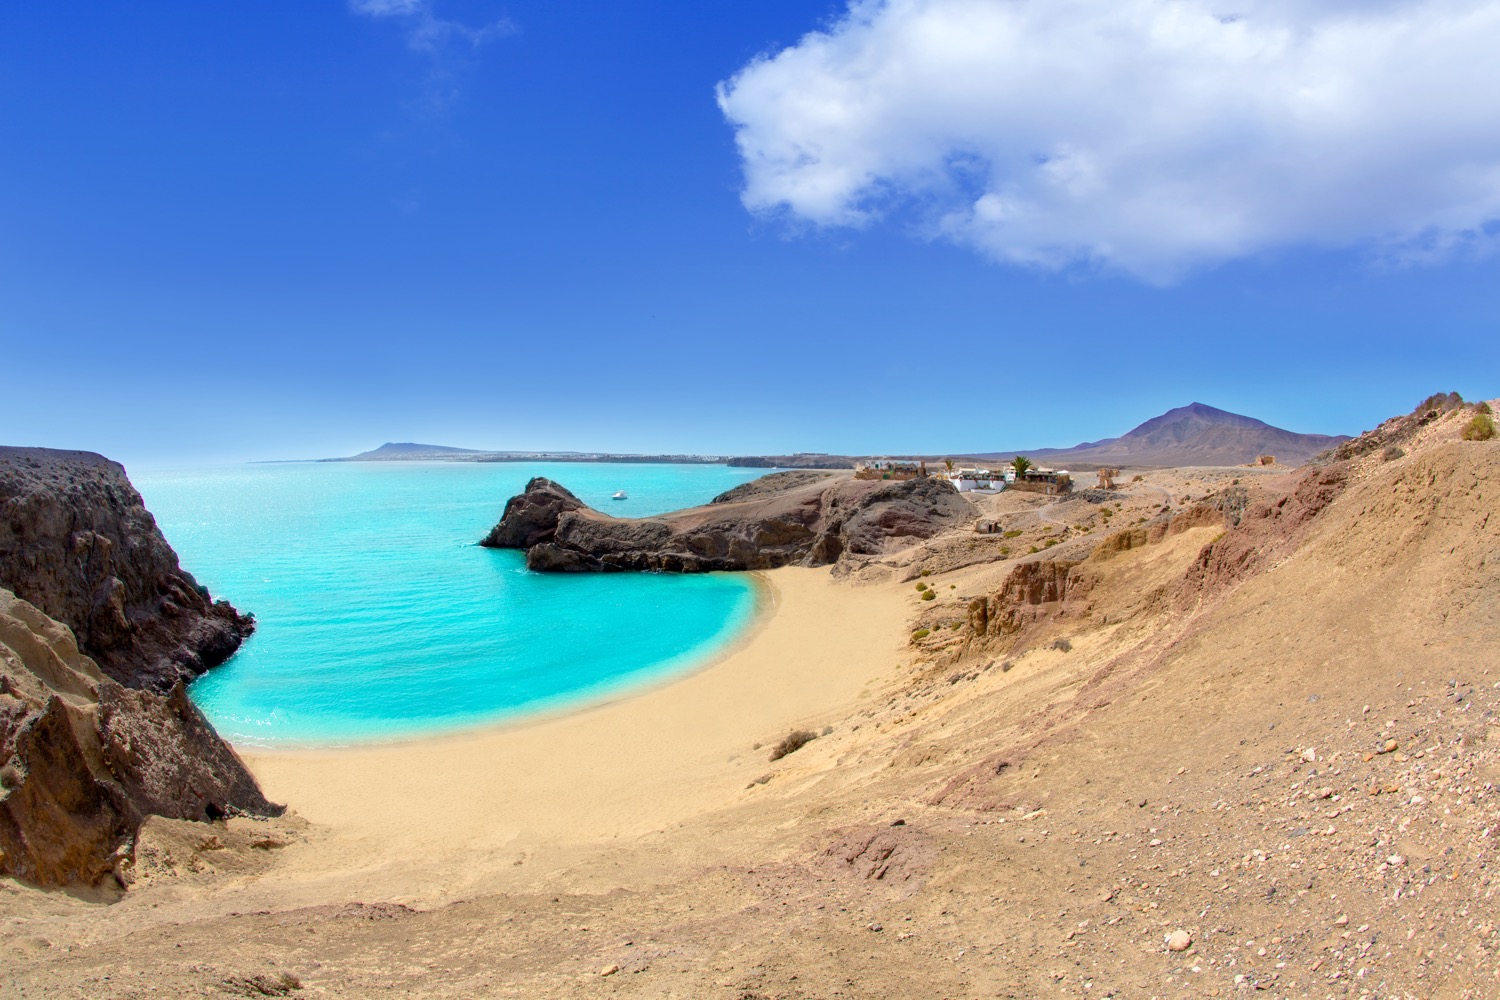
(424, 820)
(1269, 740)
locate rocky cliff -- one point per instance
(100, 628)
(84, 760)
(77, 542)
(802, 518)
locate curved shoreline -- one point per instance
(429, 819)
(765, 596)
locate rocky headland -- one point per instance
(77, 541)
(788, 518)
(99, 628)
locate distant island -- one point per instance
(407, 451)
(1196, 434)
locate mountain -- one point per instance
(1195, 434)
(407, 451)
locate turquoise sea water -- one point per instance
(379, 617)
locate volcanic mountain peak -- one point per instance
(1196, 434)
(1186, 420)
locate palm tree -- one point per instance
(1020, 463)
(949, 463)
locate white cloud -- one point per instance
(445, 42)
(1153, 136)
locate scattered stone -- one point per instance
(1179, 940)
(609, 970)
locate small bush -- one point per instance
(1050, 542)
(956, 626)
(921, 633)
(1035, 549)
(927, 572)
(792, 742)
(1005, 667)
(929, 595)
(921, 586)
(1136, 479)
(1005, 550)
(1062, 645)
(1481, 428)
(1013, 533)
(1392, 453)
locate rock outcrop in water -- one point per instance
(789, 518)
(77, 541)
(89, 749)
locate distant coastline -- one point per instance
(1192, 435)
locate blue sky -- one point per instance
(302, 229)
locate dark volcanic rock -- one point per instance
(83, 760)
(531, 517)
(806, 518)
(77, 542)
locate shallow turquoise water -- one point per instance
(378, 617)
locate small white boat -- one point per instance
(619, 495)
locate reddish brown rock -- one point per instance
(84, 760)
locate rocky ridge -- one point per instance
(790, 518)
(77, 541)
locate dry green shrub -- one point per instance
(929, 595)
(921, 634)
(1481, 428)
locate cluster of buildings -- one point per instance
(1037, 480)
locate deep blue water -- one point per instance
(379, 617)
